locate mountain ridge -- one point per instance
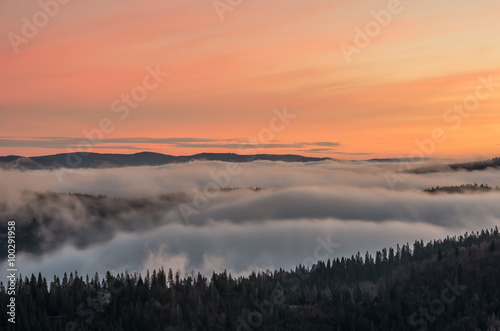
(493, 163)
(145, 158)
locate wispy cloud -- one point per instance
(139, 143)
(346, 153)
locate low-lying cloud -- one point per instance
(138, 225)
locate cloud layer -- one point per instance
(301, 206)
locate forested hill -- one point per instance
(469, 166)
(449, 284)
(478, 165)
(464, 188)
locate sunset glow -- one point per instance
(427, 67)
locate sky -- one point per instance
(348, 79)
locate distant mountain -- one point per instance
(95, 160)
(469, 166)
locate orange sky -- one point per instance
(227, 75)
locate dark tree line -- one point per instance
(477, 165)
(468, 166)
(465, 188)
(448, 284)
